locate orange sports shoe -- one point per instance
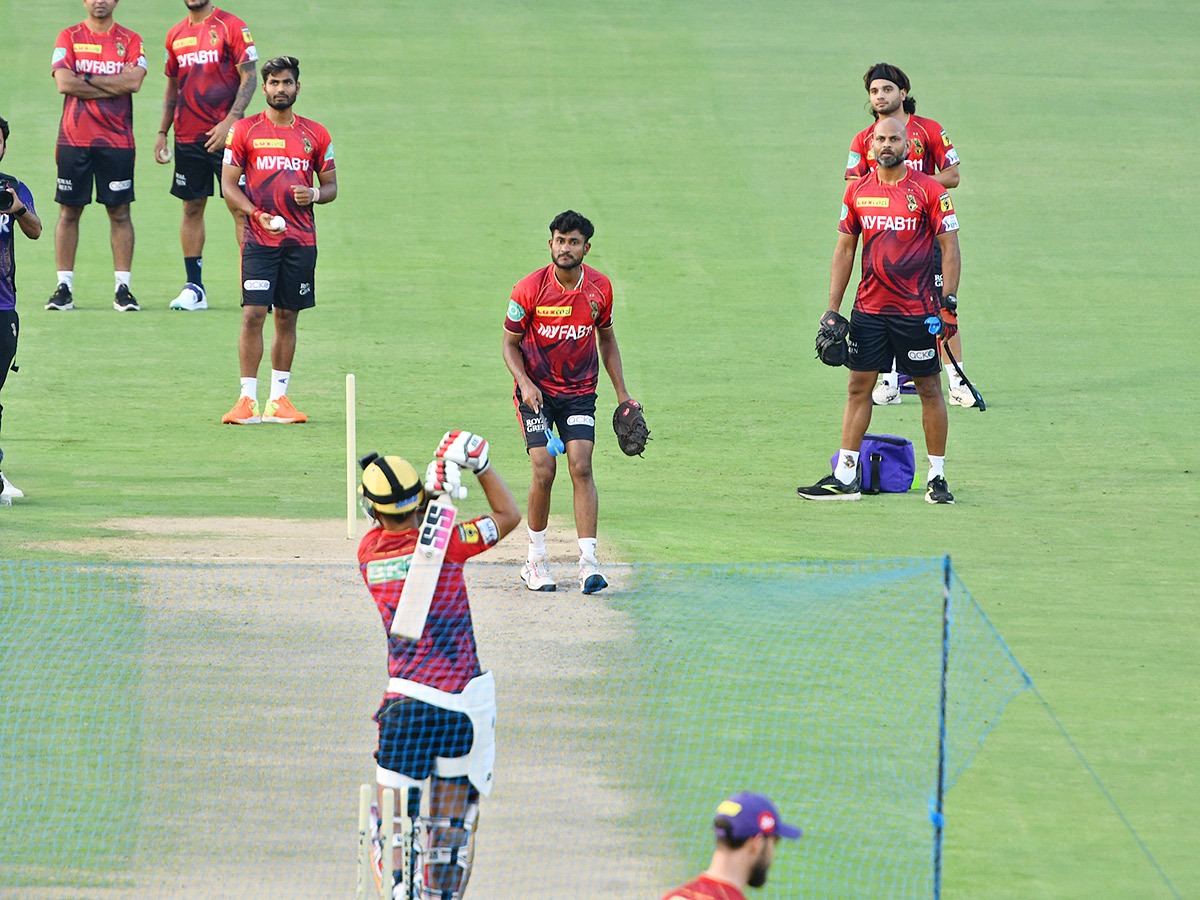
(244, 412)
(282, 411)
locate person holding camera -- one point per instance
(16, 205)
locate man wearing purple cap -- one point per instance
(747, 828)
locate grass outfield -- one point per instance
(706, 140)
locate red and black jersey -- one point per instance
(274, 158)
(106, 121)
(929, 150)
(899, 224)
(204, 58)
(705, 888)
(444, 658)
(558, 328)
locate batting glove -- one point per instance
(949, 315)
(442, 477)
(468, 450)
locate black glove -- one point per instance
(630, 426)
(831, 339)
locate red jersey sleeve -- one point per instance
(849, 223)
(241, 44)
(941, 148)
(856, 164)
(323, 150)
(235, 144)
(605, 319)
(64, 52)
(135, 52)
(941, 210)
(472, 538)
(520, 306)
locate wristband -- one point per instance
(316, 194)
(259, 212)
(162, 132)
(950, 302)
(87, 77)
(24, 209)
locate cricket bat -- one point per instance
(421, 581)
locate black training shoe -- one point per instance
(125, 301)
(829, 488)
(937, 491)
(61, 298)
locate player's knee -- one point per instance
(581, 469)
(544, 470)
(119, 215)
(194, 209)
(929, 388)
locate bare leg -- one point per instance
(544, 469)
(121, 228)
(250, 341)
(191, 229)
(66, 237)
(452, 800)
(858, 408)
(934, 419)
(283, 347)
(587, 500)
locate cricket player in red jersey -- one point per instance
(211, 64)
(288, 165)
(931, 152)
(97, 65)
(438, 717)
(558, 330)
(747, 828)
(898, 311)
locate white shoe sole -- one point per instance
(537, 584)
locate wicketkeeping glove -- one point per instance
(630, 425)
(468, 450)
(831, 339)
(443, 477)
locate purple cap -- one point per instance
(750, 814)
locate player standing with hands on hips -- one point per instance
(97, 66)
(289, 169)
(438, 716)
(16, 206)
(898, 312)
(747, 828)
(558, 330)
(210, 72)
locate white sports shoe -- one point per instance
(191, 297)
(590, 579)
(536, 575)
(885, 394)
(962, 396)
(9, 491)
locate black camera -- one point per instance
(6, 198)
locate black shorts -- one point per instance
(573, 417)
(875, 339)
(279, 276)
(110, 167)
(195, 169)
(413, 736)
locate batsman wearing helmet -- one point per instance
(437, 719)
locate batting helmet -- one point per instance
(390, 485)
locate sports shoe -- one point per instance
(61, 298)
(283, 412)
(244, 412)
(962, 396)
(191, 297)
(9, 491)
(590, 579)
(536, 575)
(885, 394)
(937, 491)
(125, 301)
(829, 488)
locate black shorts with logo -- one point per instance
(110, 167)
(195, 169)
(279, 276)
(413, 736)
(573, 417)
(876, 338)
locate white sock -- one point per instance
(937, 467)
(847, 464)
(537, 543)
(67, 278)
(890, 378)
(279, 383)
(250, 388)
(587, 548)
(122, 278)
(952, 376)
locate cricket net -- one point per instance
(200, 731)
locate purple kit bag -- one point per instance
(886, 464)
